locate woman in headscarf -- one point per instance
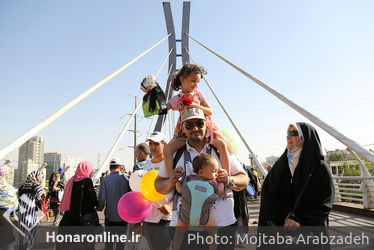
(79, 199)
(55, 187)
(74, 196)
(289, 181)
(28, 193)
(8, 200)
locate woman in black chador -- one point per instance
(288, 182)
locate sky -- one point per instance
(319, 54)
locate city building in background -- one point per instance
(55, 160)
(73, 163)
(30, 157)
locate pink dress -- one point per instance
(197, 97)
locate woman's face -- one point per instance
(56, 177)
(292, 140)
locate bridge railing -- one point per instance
(359, 189)
(361, 192)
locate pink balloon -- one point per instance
(133, 207)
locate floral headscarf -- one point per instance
(8, 197)
(293, 154)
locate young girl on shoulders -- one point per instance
(187, 80)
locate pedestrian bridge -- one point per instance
(354, 194)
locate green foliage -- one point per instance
(336, 156)
(351, 170)
(370, 167)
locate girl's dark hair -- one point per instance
(200, 161)
(188, 68)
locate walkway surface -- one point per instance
(337, 218)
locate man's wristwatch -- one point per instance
(231, 182)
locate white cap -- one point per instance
(115, 162)
(157, 137)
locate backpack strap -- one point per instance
(180, 151)
(187, 157)
(178, 155)
(209, 151)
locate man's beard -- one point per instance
(197, 137)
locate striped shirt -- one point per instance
(27, 206)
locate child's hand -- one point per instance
(194, 105)
(175, 175)
(223, 176)
(163, 210)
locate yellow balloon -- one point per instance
(147, 186)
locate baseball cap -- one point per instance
(116, 162)
(192, 113)
(157, 137)
(61, 169)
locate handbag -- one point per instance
(90, 219)
(53, 200)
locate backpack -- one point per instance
(176, 158)
(154, 102)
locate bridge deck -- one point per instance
(337, 218)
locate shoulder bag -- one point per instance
(90, 219)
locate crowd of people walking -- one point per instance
(297, 190)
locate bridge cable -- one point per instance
(263, 170)
(330, 130)
(36, 129)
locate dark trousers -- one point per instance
(56, 212)
(115, 228)
(157, 234)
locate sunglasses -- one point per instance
(293, 133)
(191, 125)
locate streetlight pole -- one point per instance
(135, 132)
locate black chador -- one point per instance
(281, 190)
